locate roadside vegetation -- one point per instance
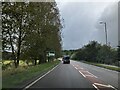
(15, 77)
(30, 30)
(97, 54)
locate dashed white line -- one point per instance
(82, 74)
(39, 78)
(77, 65)
(76, 68)
(89, 75)
(92, 75)
(80, 68)
(95, 86)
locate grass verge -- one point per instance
(104, 66)
(18, 76)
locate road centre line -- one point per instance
(77, 65)
(80, 68)
(79, 71)
(39, 78)
(89, 75)
(82, 74)
(92, 74)
(95, 86)
(76, 68)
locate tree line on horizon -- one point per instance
(96, 52)
(29, 30)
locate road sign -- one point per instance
(50, 54)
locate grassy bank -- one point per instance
(104, 66)
(14, 76)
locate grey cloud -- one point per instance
(110, 16)
(118, 23)
(80, 23)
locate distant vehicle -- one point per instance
(66, 59)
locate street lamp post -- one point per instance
(105, 30)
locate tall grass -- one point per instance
(15, 76)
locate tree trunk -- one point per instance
(19, 47)
(35, 63)
(48, 59)
(39, 62)
(13, 53)
(19, 40)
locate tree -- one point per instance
(30, 29)
(118, 53)
(95, 52)
(45, 26)
(90, 51)
(13, 24)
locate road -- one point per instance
(78, 75)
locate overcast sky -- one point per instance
(81, 19)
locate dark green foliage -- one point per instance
(68, 52)
(95, 52)
(31, 29)
(7, 56)
(118, 53)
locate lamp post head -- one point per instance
(101, 22)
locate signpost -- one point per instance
(50, 54)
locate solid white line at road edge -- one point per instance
(39, 78)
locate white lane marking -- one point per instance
(89, 75)
(95, 86)
(39, 78)
(104, 85)
(82, 74)
(80, 68)
(101, 85)
(112, 87)
(76, 68)
(92, 74)
(84, 71)
(77, 65)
